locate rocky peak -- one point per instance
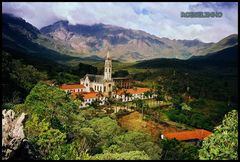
(13, 137)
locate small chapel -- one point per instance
(100, 83)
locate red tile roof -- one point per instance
(71, 86)
(86, 95)
(188, 135)
(132, 91)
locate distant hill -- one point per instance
(62, 41)
(226, 42)
(227, 55)
(221, 59)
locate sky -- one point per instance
(158, 18)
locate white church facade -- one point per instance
(100, 83)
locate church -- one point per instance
(100, 83)
(100, 87)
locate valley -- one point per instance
(172, 86)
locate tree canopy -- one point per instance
(223, 143)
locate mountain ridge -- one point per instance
(83, 40)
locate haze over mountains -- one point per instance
(93, 41)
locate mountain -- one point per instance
(62, 41)
(226, 42)
(20, 38)
(124, 44)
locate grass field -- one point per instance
(134, 121)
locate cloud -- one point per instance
(159, 18)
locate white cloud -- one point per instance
(161, 19)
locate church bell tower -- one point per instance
(108, 82)
(108, 68)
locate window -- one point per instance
(106, 70)
(104, 88)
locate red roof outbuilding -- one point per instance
(71, 86)
(199, 134)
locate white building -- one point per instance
(134, 93)
(89, 97)
(97, 83)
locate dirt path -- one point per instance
(133, 121)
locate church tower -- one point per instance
(108, 82)
(108, 68)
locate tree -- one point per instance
(110, 101)
(178, 150)
(90, 135)
(120, 73)
(177, 101)
(127, 95)
(223, 143)
(52, 104)
(95, 104)
(42, 136)
(68, 152)
(159, 93)
(148, 94)
(80, 97)
(86, 69)
(185, 107)
(118, 104)
(106, 128)
(135, 141)
(131, 155)
(140, 104)
(26, 76)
